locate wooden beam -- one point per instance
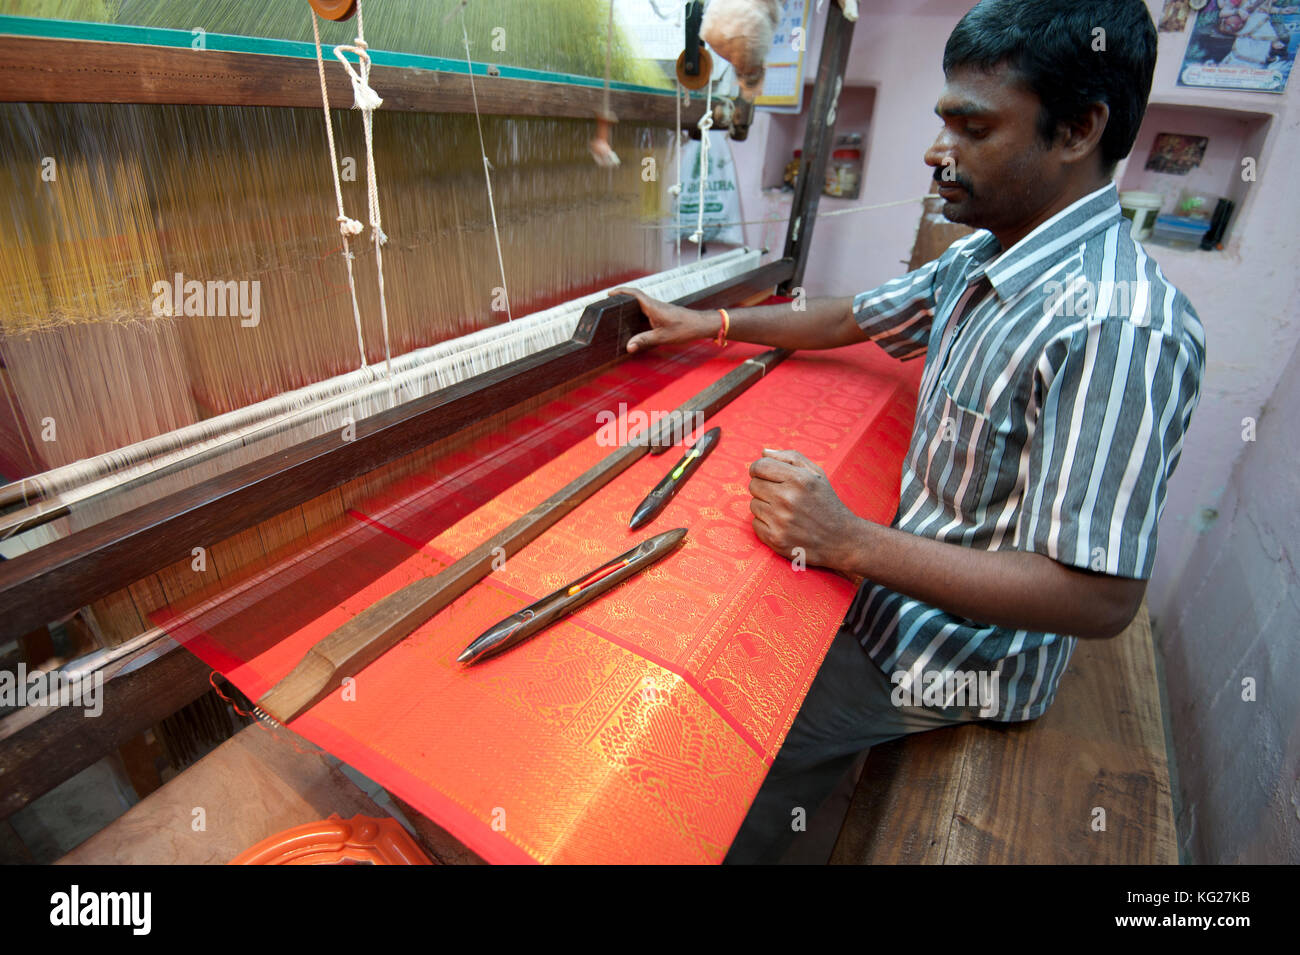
(76, 570)
(42, 70)
(817, 142)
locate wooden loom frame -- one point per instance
(39, 751)
(100, 63)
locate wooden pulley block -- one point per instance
(334, 9)
(693, 83)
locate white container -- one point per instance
(1142, 208)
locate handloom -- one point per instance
(249, 482)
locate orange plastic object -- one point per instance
(336, 840)
(334, 9)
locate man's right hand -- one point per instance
(669, 324)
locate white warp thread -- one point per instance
(487, 168)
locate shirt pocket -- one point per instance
(959, 443)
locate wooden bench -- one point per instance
(1029, 792)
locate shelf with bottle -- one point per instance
(1190, 189)
(784, 148)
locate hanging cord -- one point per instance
(347, 226)
(601, 150)
(367, 100)
(609, 54)
(705, 124)
(487, 165)
(675, 190)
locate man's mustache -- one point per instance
(947, 176)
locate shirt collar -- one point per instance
(1012, 271)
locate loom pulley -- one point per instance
(702, 75)
(334, 9)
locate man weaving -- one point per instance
(1061, 372)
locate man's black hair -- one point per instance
(1056, 48)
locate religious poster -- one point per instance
(1242, 45)
(1176, 154)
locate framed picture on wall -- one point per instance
(1176, 154)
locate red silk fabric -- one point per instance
(639, 729)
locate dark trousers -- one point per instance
(848, 710)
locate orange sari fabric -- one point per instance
(639, 729)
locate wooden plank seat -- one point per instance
(1031, 792)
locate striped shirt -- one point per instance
(1060, 378)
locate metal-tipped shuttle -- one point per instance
(673, 481)
(536, 617)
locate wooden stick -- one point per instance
(817, 141)
(368, 635)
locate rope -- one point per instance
(367, 101)
(705, 124)
(609, 54)
(487, 167)
(602, 151)
(675, 190)
(347, 226)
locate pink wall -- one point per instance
(1225, 586)
(1248, 296)
(897, 49)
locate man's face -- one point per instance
(994, 170)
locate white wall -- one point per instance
(1225, 590)
(1247, 299)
